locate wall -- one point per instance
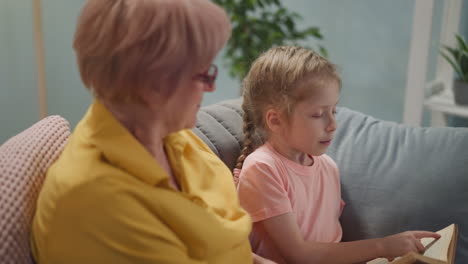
(18, 92)
(452, 120)
(368, 39)
(66, 96)
(370, 42)
(464, 19)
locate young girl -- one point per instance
(288, 185)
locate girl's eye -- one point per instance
(335, 112)
(317, 115)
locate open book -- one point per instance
(440, 251)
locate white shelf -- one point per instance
(446, 105)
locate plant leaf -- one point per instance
(452, 51)
(453, 63)
(314, 31)
(464, 63)
(258, 25)
(461, 43)
(323, 51)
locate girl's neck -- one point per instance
(285, 150)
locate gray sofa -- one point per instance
(394, 177)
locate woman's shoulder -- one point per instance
(187, 137)
(183, 136)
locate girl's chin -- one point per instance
(318, 152)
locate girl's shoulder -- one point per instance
(326, 162)
(264, 158)
(263, 164)
(324, 158)
(262, 154)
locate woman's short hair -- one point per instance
(126, 46)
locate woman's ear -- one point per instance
(273, 120)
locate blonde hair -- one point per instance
(126, 46)
(275, 80)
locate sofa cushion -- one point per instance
(24, 160)
(394, 177)
(397, 178)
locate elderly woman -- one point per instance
(133, 184)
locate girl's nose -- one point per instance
(332, 124)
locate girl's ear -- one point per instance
(273, 120)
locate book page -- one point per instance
(439, 249)
(385, 261)
(378, 261)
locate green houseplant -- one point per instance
(258, 25)
(458, 58)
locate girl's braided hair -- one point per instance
(274, 81)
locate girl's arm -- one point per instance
(285, 234)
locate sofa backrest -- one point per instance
(220, 127)
(394, 177)
(24, 160)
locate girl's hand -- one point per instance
(397, 245)
(260, 260)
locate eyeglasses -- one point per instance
(209, 76)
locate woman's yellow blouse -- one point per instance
(107, 200)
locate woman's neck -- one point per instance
(145, 125)
(149, 129)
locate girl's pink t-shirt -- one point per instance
(269, 185)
